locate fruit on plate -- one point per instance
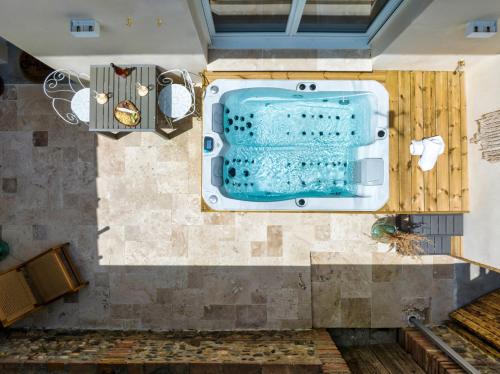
(127, 113)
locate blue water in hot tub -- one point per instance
(284, 144)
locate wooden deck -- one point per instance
(425, 353)
(422, 104)
(481, 318)
(380, 359)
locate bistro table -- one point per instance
(104, 80)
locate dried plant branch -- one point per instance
(406, 244)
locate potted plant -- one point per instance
(405, 243)
(4, 250)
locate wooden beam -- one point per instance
(464, 145)
(417, 175)
(429, 118)
(442, 171)
(454, 139)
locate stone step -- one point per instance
(289, 60)
(437, 228)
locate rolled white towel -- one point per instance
(417, 147)
(429, 149)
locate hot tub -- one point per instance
(295, 145)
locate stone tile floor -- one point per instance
(131, 210)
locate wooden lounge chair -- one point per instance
(37, 282)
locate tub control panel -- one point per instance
(208, 144)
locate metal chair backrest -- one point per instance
(165, 79)
(61, 86)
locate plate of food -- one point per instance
(127, 113)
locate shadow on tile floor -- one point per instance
(131, 211)
(473, 282)
(51, 193)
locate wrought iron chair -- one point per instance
(70, 95)
(176, 100)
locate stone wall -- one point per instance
(273, 352)
(381, 290)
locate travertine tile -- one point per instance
(179, 240)
(443, 271)
(251, 316)
(443, 300)
(322, 232)
(386, 306)
(282, 304)
(386, 273)
(186, 210)
(219, 312)
(8, 115)
(131, 210)
(40, 138)
(417, 280)
(355, 281)
(274, 241)
(39, 232)
(326, 304)
(355, 312)
(9, 185)
(259, 249)
(227, 59)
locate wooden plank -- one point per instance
(474, 340)
(454, 139)
(127, 89)
(429, 118)
(395, 360)
(475, 324)
(442, 171)
(100, 88)
(391, 85)
(105, 89)
(363, 360)
(210, 76)
(464, 145)
(417, 175)
(108, 86)
(116, 99)
(93, 103)
(456, 246)
(405, 133)
(151, 97)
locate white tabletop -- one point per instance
(175, 100)
(80, 104)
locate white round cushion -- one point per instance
(80, 104)
(175, 100)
